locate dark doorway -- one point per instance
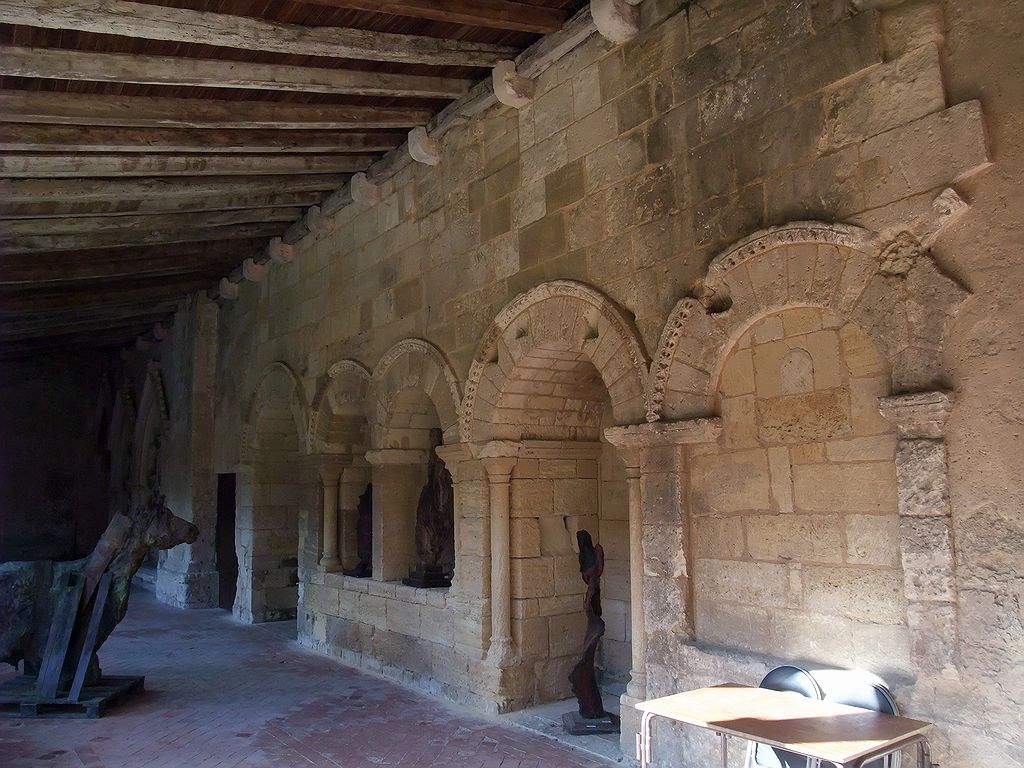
(227, 560)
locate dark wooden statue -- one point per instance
(55, 615)
(592, 717)
(364, 536)
(435, 524)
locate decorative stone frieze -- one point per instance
(423, 148)
(510, 88)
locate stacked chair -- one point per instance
(839, 686)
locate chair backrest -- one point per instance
(796, 680)
(863, 690)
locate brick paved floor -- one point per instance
(222, 694)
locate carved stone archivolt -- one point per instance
(559, 314)
(412, 364)
(889, 287)
(280, 391)
(343, 391)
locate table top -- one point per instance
(833, 732)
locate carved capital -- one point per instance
(918, 415)
(636, 437)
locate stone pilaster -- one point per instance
(926, 531)
(659, 525)
(330, 478)
(398, 476)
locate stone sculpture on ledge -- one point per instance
(55, 615)
(591, 717)
(364, 536)
(435, 524)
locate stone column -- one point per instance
(658, 540)
(926, 531)
(453, 455)
(330, 477)
(499, 459)
(398, 477)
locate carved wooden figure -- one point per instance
(435, 524)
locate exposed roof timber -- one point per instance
(62, 225)
(142, 112)
(92, 190)
(112, 263)
(27, 329)
(134, 291)
(58, 64)
(87, 165)
(63, 138)
(124, 209)
(122, 238)
(497, 14)
(93, 339)
(154, 22)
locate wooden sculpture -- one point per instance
(364, 536)
(435, 524)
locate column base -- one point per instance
(501, 654)
(629, 726)
(330, 564)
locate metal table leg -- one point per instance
(725, 750)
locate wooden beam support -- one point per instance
(84, 166)
(105, 190)
(118, 239)
(65, 138)
(110, 263)
(84, 225)
(28, 329)
(495, 14)
(156, 112)
(60, 64)
(120, 209)
(155, 22)
(134, 291)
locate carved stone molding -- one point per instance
(280, 252)
(618, 21)
(918, 415)
(227, 289)
(688, 432)
(253, 272)
(586, 300)
(423, 148)
(510, 88)
(363, 191)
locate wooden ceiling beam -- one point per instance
(161, 112)
(28, 244)
(494, 14)
(89, 339)
(155, 22)
(65, 138)
(59, 64)
(59, 267)
(129, 291)
(40, 166)
(84, 225)
(28, 329)
(121, 209)
(104, 190)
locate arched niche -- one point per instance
(559, 332)
(338, 438)
(559, 364)
(413, 393)
(269, 497)
(891, 288)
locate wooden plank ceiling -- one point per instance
(147, 148)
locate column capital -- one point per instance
(918, 414)
(330, 467)
(655, 434)
(391, 456)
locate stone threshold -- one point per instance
(546, 719)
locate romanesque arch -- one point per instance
(412, 365)
(891, 288)
(556, 325)
(278, 394)
(338, 412)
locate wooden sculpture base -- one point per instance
(577, 725)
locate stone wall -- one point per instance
(619, 229)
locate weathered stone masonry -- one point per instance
(627, 303)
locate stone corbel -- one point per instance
(926, 531)
(317, 222)
(159, 331)
(253, 272)
(227, 289)
(364, 192)
(618, 21)
(422, 148)
(509, 88)
(280, 252)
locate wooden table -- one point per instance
(845, 736)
